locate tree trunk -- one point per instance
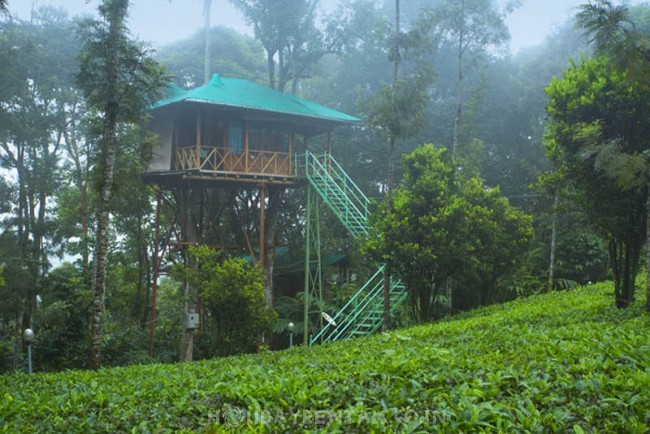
(449, 294)
(647, 249)
(386, 323)
(458, 117)
(282, 72)
(108, 144)
(80, 175)
(391, 165)
(275, 200)
(624, 258)
(190, 236)
(551, 267)
(85, 226)
(271, 66)
(207, 54)
(101, 248)
(18, 333)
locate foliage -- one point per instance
(233, 55)
(288, 32)
(444, 228)
(559, 362)
(50, 153)
(472, 29)
(232, 293)
(595, 99)
(582, 254)
(627, 44)
(399, 110)
(611, 30)
(35, 104)
(402, 114)
(61, 320)
(139, 78)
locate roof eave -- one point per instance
(351, 121)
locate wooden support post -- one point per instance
(264, 264)
(307, 288)
(187, 340)
(262, 255)
(156, 271)
(246, 146)
(198, 139)
(291, 153)
(175, 163)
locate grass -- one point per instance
(561, 362)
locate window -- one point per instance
(236, 137)
(268, 137)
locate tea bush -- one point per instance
(561, 362)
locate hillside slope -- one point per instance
(560, 362)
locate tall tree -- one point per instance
(396, 53)
(615, 35)
(288, 32)
(232, 55)
(37, 84)
(119, 79)
(593, 106)
(399, 110)
(472, 29)
(207, 51)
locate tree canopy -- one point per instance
(69, 106)
(442, 227)
(626, 43)
(595, 99)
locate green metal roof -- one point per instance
(238, 93)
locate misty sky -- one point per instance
(164, 21)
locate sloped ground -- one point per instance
(563, 362)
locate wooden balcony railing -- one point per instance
(224, 160)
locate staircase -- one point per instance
(363, 313)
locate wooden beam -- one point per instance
(262, 260)
(246, 146)
(198, 138)
(291, 133)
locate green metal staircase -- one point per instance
(363, 313)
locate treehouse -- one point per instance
(233, 130)
(244, 134)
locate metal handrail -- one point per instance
(355, 213)
(339, 317)
(350, 205)
(331, 163)
(361, 310)
(358, 194)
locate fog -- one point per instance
(163, 21)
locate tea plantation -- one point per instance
(562, 362)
